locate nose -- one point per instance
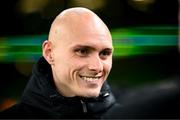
(95, 64)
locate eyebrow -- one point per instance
(92, 48)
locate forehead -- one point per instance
(93, 41)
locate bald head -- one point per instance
(79, 50)
(77, 21)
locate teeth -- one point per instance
(90, 79)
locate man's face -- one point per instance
(82, 62)
(82, 57)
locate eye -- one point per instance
(82, 51)
(105, 53)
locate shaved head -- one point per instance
(79, 50)
(73, 21)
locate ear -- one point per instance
(47, 49)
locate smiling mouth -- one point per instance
(90, 78)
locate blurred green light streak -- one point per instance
(20, 56)
(126, 42)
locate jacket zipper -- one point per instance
(84, 106)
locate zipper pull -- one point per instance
(106, 94)
(84, 106)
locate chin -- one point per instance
(92, 94)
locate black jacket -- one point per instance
(41, 100)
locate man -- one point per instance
(69, 80)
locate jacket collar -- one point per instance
(41, 86)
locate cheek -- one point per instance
(71, 63)
(108, 65)
(77, 64)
